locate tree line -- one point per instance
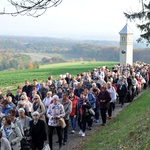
(88, 50)
(11, 61)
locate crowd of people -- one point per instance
(34, 111)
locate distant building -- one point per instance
(126, 46)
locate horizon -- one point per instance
(81, 38)
(73, 18)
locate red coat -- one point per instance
(74, 103)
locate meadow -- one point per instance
(129, 130)
(11, 79)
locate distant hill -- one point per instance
(69, 49)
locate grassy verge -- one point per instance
(130, 130)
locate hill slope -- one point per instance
(128, 131)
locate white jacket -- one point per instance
(55, 110)
(112, 93)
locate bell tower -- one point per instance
(126, 46)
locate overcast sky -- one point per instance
(89, 19)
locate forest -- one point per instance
(15, 51)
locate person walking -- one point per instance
(55, 111)
(67, 108)
(112, 93)
(122, 92)
(39, 107)
(104, 99)
(73, 119)
(37, 131)
(4, 143)
(11, 132)
(82, 113)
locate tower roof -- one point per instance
(126, 30)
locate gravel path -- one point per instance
(75, 140)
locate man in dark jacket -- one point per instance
(27, 88)
(43, 90)
(122, 92)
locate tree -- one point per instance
(33, 8)
(143, 17)
(30, 65)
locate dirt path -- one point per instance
(75, 140)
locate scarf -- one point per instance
(64, 102)
(35, 106)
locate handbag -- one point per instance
(46, 147)
(25, 145)
(62, 122)
(91, 112)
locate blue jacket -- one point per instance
(5, 110)
(92, 100)
(38, 87)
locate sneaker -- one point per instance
(90, 128)
(103, 124)
(72, 131)
(80, 132)
(97, 121)
(83, 134)
(110, 117)
(60, 147)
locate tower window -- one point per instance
(123, 38)
(123, 51)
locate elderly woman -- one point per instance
(5, 145)
(54, 113)
(47, 99)
(21, 105)
(11, 132)
(37, 131)
(104, 99)
(27, 104)
(24, 121)
(112, 93)
(39, 107)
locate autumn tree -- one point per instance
(30, 65)
(142, 19)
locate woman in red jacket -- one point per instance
(74, 99)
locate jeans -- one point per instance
(73, 122)
(97, 110)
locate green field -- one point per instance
(39, 56)
(130, 130)
(14, 78)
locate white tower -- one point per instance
(126, 46)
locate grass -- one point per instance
(17, 77)
(39, 56)
(130, 130)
